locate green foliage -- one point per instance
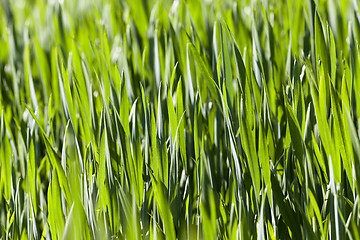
(136, 119)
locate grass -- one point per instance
(185, 119)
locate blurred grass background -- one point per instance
(179, 119)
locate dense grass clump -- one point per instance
(185, 119)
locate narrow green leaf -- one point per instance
(172, 115)
(164, 208)
(320, 44)
(214, 89)
(265, 161)
(181, 124)
(339, 135)
(31, 163)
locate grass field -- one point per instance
(188, 119)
